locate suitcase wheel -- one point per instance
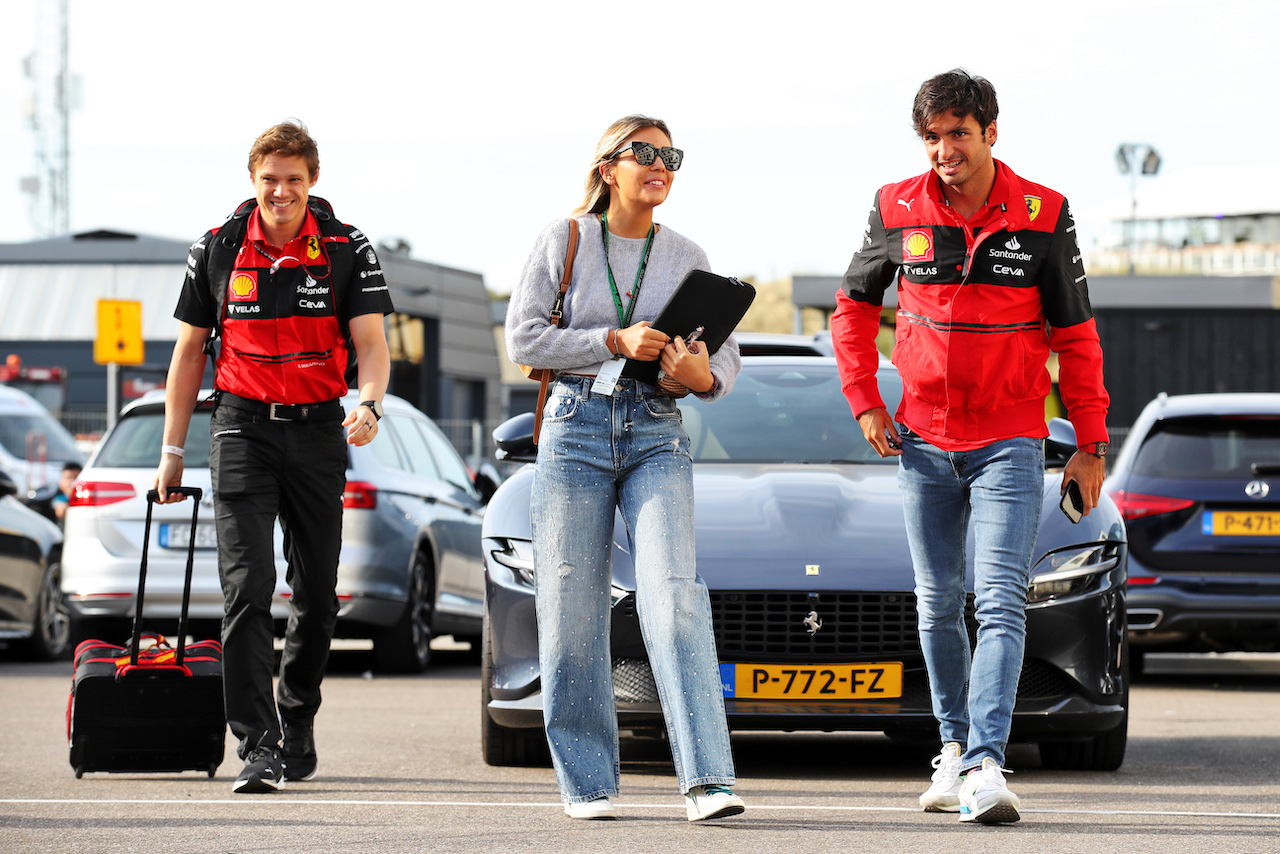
(79, 772)
(213, 769)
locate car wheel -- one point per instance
(406, 646)
(1103, 752)
(500, 745)
(51, 634)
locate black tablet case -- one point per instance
(716, 303)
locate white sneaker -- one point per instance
(944, 794)
(704, 803)
(985, 798)
(597, 809)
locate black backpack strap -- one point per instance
(341, 254)
(221, 260)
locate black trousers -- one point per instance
(264, 470)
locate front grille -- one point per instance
(765, 627)
(1041, 681)
(771, 626)
(633, 681)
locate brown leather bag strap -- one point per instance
(557, 314)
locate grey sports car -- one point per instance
(802, 546)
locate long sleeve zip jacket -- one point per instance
(981, 303)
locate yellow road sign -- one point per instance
(119, 332)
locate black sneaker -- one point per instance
(263, 772)
(299, 752)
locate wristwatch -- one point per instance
(375, 406)
(1098, 449)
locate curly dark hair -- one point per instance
(957, 92)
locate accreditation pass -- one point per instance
(607, 377)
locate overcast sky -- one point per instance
(464, 128)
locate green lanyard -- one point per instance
(624, 318)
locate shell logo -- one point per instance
(244, 286)
(917, 245)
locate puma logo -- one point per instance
(906, 204)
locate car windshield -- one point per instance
(135, 442)
(1205, 447)
(19, 429)
(784, 413)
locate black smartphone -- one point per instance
(1072, 504)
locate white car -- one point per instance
(410, 567)
(33, 445)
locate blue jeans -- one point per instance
(999, 488)
(628, 451)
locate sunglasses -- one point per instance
(646, 153)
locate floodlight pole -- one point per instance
(1129, 164)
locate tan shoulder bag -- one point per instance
(545, 375)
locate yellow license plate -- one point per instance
(1230, 523)
(877, 680)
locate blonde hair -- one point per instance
(596, 199)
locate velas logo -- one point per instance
(917, 245)
(1033, 206)
(244, 286)
(313, 248)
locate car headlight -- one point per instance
(517, 556)
(1071, 572)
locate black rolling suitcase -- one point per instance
(154, 708)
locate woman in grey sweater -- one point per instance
(609, 441)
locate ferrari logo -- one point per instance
(1033, 206)
(313, 248)
(811, 569)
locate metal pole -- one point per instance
(1133, 215)
(113, 395)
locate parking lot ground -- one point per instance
(401, 771)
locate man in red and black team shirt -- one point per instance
(291, 292)
(989, 282)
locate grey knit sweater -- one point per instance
(580, 344)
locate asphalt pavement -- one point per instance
(400, 771)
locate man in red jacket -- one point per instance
(989, 282)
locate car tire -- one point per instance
(51, 632)
(406, 646)
(1103, 752)
(506, 746)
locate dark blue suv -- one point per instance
(1198, 482)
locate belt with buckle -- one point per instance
(328, 410)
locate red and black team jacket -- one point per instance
(283, 312)
(981, 303)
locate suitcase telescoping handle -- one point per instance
(152, 497)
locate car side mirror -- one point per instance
(1061, 444)
(514, 439)
(7, 486)
(486, 481)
